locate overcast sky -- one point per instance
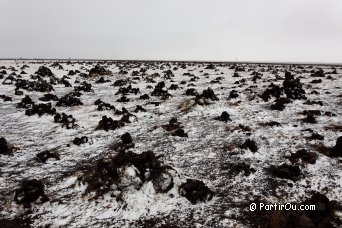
(249, 30)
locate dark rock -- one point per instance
(123, 99)
(293, 87)
(58, 65)
(139, 109)
(15, 223)
(173, 87)
(19, 92)
(29, 192)
(224, 117)
(26, 102)
(66, 82)
(280, 104)
(45, 155)
(316, 81)
(44, 71)
(126, 138)
(236, 168)
(336, 151)
(316, 136)
(67, 121)
(304, 155)
(191, 92)
(120, 82)
(195, 191)
(40, 109)
(271, 124)
(39, 85)
(210, 67)
(69, 100)
(324, 213)
(209, 94)
(144, 97)
(127, 90)
(6, 98)
(101, 80)
(101, 106)
(99, 71)
(173, 124)
(49, 97)
(309, 102)
(285, 171)
(250, 144)
(236, 75)
(107, 173)
(108, 123)
(78, 141)
(179, 132)
(71, 72)
(245, 128)
(233, 94)
(312, 112)
(160, 92)
(4, 147)
(84, 86)
(319, 73)
(126, 118)
(272, 90)
(310, 118)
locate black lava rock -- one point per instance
(84, 86)
(67, 121)
(144, 97)
(280, 104)
(98, 70)
(26, 102)
(19, 92)
(304, 155)
(101, 106)
(6, 98)
(250, 144)
(40, 109)
(310, 118)
(44, 71)
(108, 123)
(69, 100)
(224, 117)
(29, 192)
(233, 94)
(336, 151)
(78, 141)
(179, 132)
(272, 90)
(4, 148)
(49, 97)
(293, 87)
(105, 173)
(45, 155)
(191, 92)
(285, 171)
(126, 138)
(195, 191)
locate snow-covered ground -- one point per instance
(209, 153)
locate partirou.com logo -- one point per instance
(281, 207)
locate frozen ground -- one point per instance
(209, 153)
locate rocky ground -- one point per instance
(167, 144)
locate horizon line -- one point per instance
(185, 61)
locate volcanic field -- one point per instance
(168, 144)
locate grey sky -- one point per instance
(250, 30)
